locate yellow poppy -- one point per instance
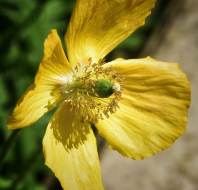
(139, 106)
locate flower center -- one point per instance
(94, 91)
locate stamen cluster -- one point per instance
(81, 94)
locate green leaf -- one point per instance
(5, 182)
(3, 92)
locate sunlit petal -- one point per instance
(153, 111)
(43, 94)
(70, 151)
(98, 26)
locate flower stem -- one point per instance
(7, 144)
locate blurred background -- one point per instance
(170, 34)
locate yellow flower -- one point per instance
(138, 105)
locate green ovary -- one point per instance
(103, 88)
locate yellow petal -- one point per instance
(153, 111)
(43, 93)
(98, 26)
(71, 153)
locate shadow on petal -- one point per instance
(68, 129)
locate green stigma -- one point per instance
(104, 88)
